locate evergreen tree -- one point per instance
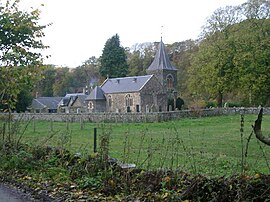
(113, 59)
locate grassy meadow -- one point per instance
(212, 146)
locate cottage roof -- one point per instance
(161, 60)
(96, 94)
(45, 102)
(125, 84)
(70, 99)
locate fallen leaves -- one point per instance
(96, 183)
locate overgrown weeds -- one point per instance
(97, 176)
(66, 177)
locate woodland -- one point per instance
(230, 60)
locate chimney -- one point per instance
(135, 80)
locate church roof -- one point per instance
(125, 84)
(161, 60)
(96, 94)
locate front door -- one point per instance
(137, 108)
(128, 109)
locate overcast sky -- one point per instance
(80, 28)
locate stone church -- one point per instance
(149, 93)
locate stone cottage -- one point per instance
(73, 103)
(147, 93)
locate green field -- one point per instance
(211, 146)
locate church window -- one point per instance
(169, 82)
(109, 101)
(129, 100)
(90, 105)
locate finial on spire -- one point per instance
(161, 31)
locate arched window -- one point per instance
(109, 101)
(90, 105)
(169, 82)
(129, 100)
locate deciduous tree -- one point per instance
(20, 62)
(87, 74)
(44, 86)
(234, 55)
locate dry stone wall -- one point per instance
(136, 117)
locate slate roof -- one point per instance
(45, 102)
(125, 84)
(69, 99)
(81, 98)
(161, 60)
(96, 94)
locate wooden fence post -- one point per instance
(67, 124)
(51, 125)
(95, 140)
(34, 124)
(81, 122)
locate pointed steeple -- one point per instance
(162, 68)
(161, 60)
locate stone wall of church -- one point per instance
(97, 106)
(119, 102)
(173, 73)
(153, 97)
(161, 75)
(158, 74)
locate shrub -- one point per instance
(210, 104)
(234, 104)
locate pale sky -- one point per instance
(81, 28)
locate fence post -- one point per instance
(81, 122)
(4, 132)
(51, 125)
(95, 140)
(67, 124)
(34, 124)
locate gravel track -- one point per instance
(12, 194)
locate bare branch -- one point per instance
(258, 131)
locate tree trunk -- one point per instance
(220, 99)
(257, 129)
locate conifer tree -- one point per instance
(113, 59)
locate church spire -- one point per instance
(161, 32)
(161, 60)
(162, 68)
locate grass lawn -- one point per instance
(210, 145)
